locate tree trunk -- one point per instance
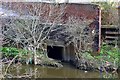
(35, 56)
(119, 25)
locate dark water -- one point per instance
(37, 71)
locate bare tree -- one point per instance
(82, 36)
(33, 25)
(36, 22)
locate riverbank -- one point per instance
(41, 60)
(84, 65)
(80, 64)
(48, 66)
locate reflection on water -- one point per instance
(37, 71)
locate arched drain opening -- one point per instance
(55, 52)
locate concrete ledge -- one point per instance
(55, 43)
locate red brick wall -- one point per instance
(81, 11)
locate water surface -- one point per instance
(37, 71)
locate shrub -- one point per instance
(12, 51)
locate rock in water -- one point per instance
(85, 71)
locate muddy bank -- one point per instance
(81, 63)
(42, 61)
(49, 68)
(86, 65)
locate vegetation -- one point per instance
(110, 54)
(12, 55)
(109, 13)
(31, 29)
(12, 51)
(108, 58)
(25, 55)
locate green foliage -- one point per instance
(88, 56)
(108, 12)
(110, 54)
(11, 51)
(107, 54)
(106, 5)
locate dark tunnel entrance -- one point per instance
(55, 52)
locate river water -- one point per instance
(36, 71)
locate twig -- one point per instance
(10, 64)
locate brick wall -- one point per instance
(88, 11)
